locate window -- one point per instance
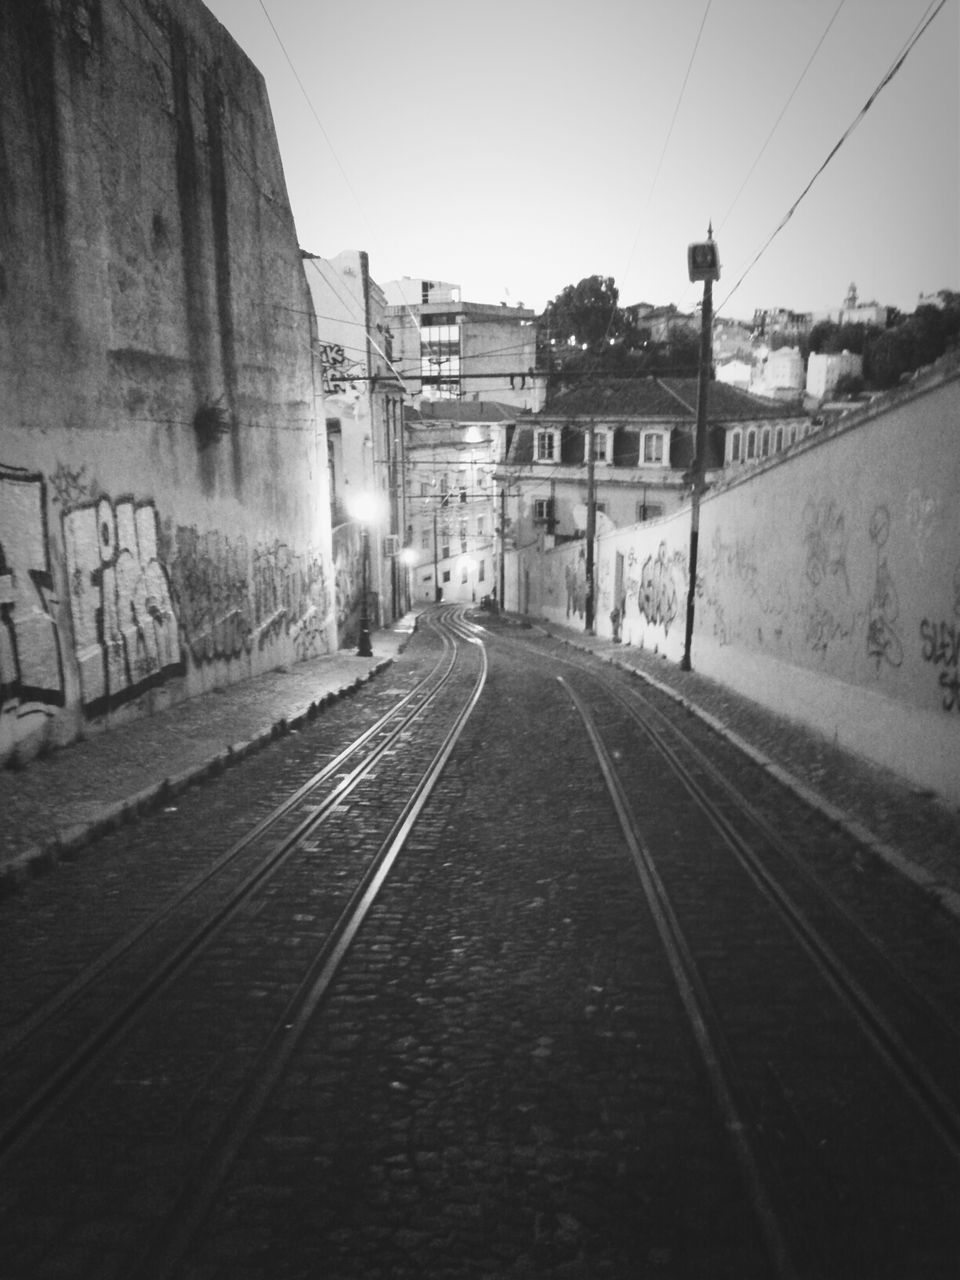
(446, 575)
(481, 571)
(425, 538)
(778, 445)
(751, 444)
(424, 488)
(653, 447)
(601, 446)
(542, 510)
(649, 510)
(765, 443)
(546, 444)
(444, 543)
(479, 526)
(463, 537)
(735, 446)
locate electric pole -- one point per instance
(591, 529)
(703, 263)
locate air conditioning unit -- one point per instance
(391, 544)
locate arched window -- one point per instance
(765, 442)
(751, 444)
(779, 440)
(735, 447)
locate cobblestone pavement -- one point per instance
(483, 1105)
(59, 803)
(911, 829)
(56, 804)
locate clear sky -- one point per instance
(515, 146)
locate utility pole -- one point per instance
(703, 263)
(591, 529)
(503, 547)
(436, 569)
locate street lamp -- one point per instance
(364, 507)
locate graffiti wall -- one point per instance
(828, 582)
(164, 495)
(137, 602)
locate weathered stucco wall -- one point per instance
(164, 515)
(828, 583)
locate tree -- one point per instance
(584, 313)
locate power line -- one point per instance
(884, 81)
(783, 111)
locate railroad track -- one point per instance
(329, 845)
(834, 1066)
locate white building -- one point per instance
(448, 349)
(825, 371)
(363, 406)
(779, 374)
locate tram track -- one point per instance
(141, 978)
(881, 1028)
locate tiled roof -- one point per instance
(661, 398)
(461, 411)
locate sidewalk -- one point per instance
(62, 801)
(909, 829)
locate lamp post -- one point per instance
(364, 508)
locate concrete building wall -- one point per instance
(163, 477)
(828, 583)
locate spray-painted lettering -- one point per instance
(659, 595)
(31, 666)
(125, 631)
(941, 648)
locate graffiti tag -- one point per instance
(659, 595)
(941, 648)
(31, 666)
(125, 632)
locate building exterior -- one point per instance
(854, 311)
(735, 372)
(792, 326)
(825, 371)
(448, 349)
(363, 404)
(779, 374)
(643, 433)
(660, 324)
(452, 449)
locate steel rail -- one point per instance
(916, 1081)
(940, 1111)
(56, 1088)
(175, 1233)
(696, 1001)
(71, 991)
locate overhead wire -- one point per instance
(936, 6)
(783, 111)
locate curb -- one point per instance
(947, 898)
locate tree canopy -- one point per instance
(583, 315)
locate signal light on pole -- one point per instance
(703, 261)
